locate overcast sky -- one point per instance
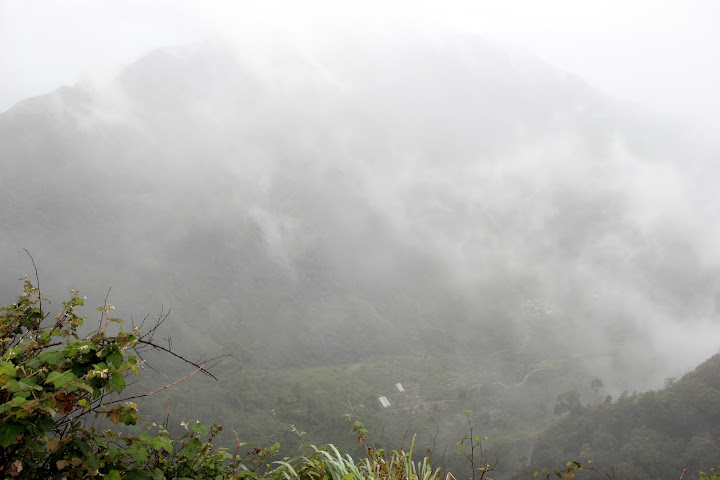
(659, 53)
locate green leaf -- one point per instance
(163, 443)
(115, 358)
(29, 383)
(101, 366)
(88, 343)
(112, 475)
(79, 347)
(129, 416)
(349, 476)
(81, 444)
(114, 453)
(12, 385)
(59, 380)
(138, 453)
(80, 385)
(199, 428)
(52, 357)
(136, 475)
(93, 461)
(98, 337)
(122, 339)
(192, 448)
(117, 382)
(9, 432)
(156, 474)
(7, 368)
(46, 423)
(50, 410)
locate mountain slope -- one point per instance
(656, 433)
(439, 162)
(433, 210)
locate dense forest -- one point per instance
(439, 222)
(640, 434)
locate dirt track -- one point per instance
(524, 379)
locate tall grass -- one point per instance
(327, 463)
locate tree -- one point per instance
(596, 384)
(568, 402)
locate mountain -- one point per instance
(656, 433)
(430, 209)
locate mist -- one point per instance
(312, 196)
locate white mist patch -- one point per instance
(283, 235)
(692, 342)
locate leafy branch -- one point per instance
(476, 455)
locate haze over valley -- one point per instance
(411, 206)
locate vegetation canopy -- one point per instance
(58, 387)
(61, 381)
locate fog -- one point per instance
(659, 54)
(319, 190)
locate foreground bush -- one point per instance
(57, 387)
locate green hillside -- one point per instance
(653, 434)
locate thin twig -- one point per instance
(150, 344)
(160, 319)
(37, 279)
(201, 367)
(167, 418)
(102, 315)
(402, 445)
(432, 450)
(145, 363)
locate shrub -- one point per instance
(56, 386)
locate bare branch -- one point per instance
(147, 364)
(105, 304)
(200, 368)
(159, 320)
(152, 345)
(37, 279)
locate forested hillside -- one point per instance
(468, 222)
(655, 433)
